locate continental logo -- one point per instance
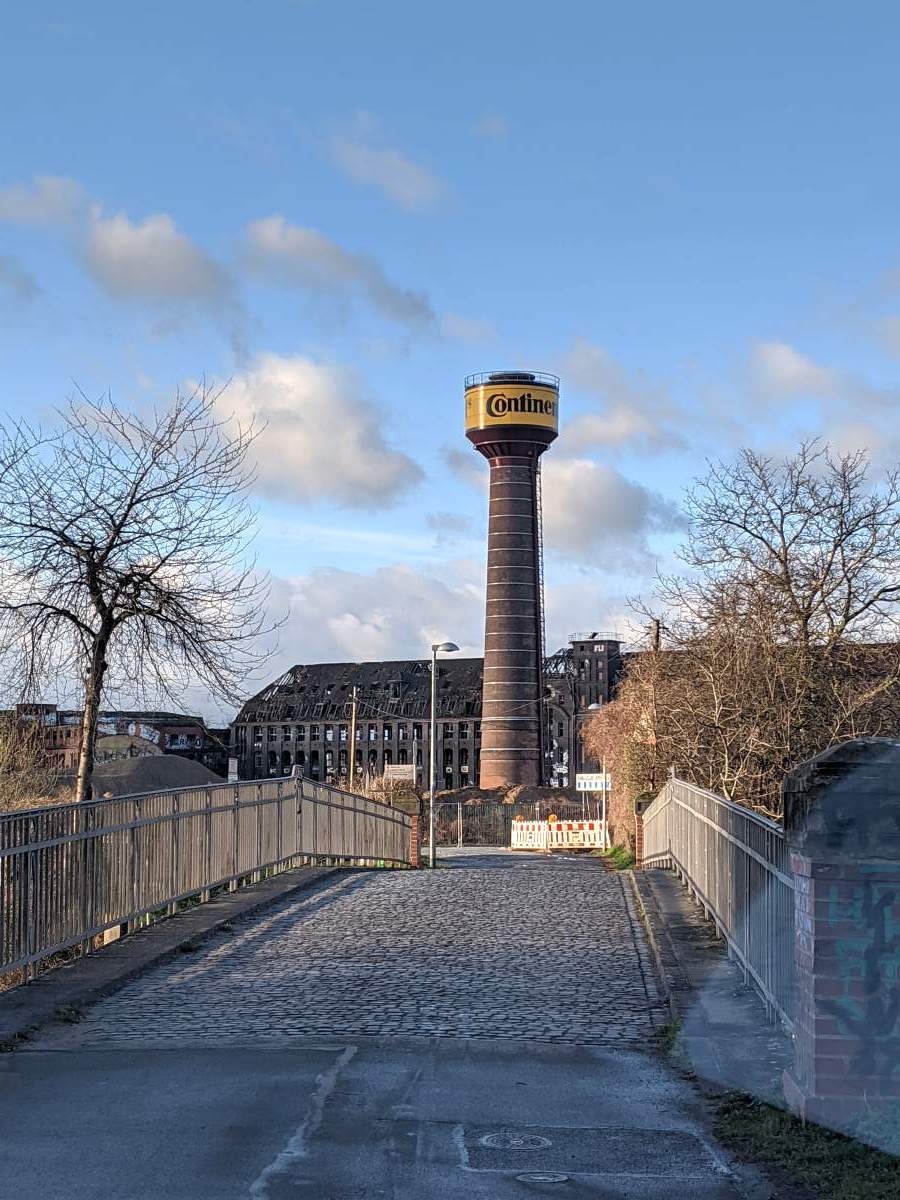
(488, 405)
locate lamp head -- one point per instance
(446, 647)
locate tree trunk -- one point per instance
(93, 690)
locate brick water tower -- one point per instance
(511, 418)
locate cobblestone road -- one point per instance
(494, 946)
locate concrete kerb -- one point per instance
(70, 988)
(676, 986)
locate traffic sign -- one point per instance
(593, 781)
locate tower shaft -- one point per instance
(511, 419)
(511, 743)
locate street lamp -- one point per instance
(445, 648)
(594, 708)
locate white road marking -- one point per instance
(297, 1146)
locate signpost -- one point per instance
(593, 781)
(400, 773)
(596, 781)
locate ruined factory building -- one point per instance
(303, 718)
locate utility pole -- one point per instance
(448, 647)
(654, 634)
(352, 751)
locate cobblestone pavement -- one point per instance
(492, 945)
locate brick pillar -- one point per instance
(415, 840)
(842, 822)
(641, 804)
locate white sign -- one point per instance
(400, 772)
(232, 770)
(593, 782)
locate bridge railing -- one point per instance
(70, 872)
(737, 865)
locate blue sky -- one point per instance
(689, 212)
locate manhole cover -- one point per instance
(541, 1177)
(511, 1139)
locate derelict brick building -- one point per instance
(303, 718)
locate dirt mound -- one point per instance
(520, 794)
(153, 773)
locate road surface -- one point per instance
(484, 1030)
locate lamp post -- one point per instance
(590, 709)
(446, 648)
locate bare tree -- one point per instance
(28, 775)
(123, 543)
(781, 638)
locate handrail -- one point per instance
(70, 872)
(736, 863)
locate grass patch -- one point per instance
(829, 1165)
(666, 1036)
(69, 1015)
(619, 857)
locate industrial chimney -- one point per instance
(511, 418)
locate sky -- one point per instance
(688, 212)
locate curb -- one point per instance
(674, 981)
(68, 989)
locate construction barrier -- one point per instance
(557, 835)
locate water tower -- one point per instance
(511, 418)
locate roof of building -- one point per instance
(389, 690)
(323, 691)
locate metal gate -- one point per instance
(490, 824)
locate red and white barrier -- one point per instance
(557, 835)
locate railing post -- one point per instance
(204, 892)
(415, 840)
(136, 844)
(235, 837)
(641, 804)
(172, 906)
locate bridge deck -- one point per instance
(389, 1034)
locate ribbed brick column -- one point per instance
(511, 705)
(842, 823)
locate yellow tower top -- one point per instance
(500, 399)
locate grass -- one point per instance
(618, 856)
(666, 1036)
(828, 1165)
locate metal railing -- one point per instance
(736, 864)
(70, 872)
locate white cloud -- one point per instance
(151, 260)
(392, 612)
(853, 414)
(470, 330)
(491, 124)
(16, 282)
(294, 256)
(322, 437)
(636, 414)
(469, 467)
(591, 509)
(386, 169)
(448, 527)
(47, 200)
(784, 370)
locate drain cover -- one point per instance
(541, 1177)
(512, 1139)
(605, 1151)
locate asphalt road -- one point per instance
(479, 1031)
